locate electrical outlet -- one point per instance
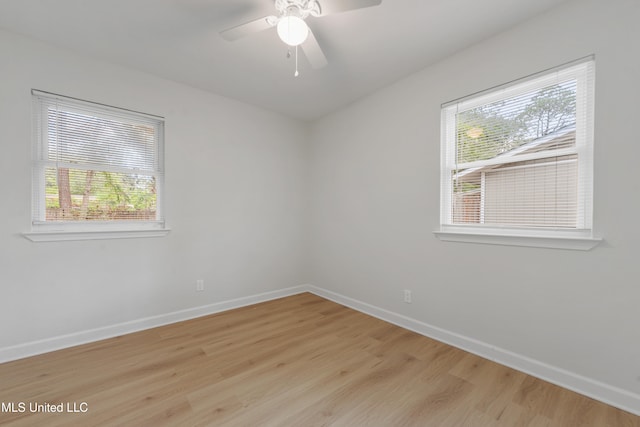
(199, 285)
(407, 296)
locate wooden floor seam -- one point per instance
(297, 361)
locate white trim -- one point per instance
(43, 230)
(44, 164)
(533, 241)
(83, 337)
(60, 236)
(560, 73)
(97, 106)
(483, 194)
(606, 393)
(447, 164)
(582, 71)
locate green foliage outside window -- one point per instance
(97, 195)
(492, 129)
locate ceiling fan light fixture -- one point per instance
(292, 30)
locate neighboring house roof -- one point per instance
(563, 135)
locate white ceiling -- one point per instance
(178, 39)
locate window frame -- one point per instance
(579, 238)
(43, 230)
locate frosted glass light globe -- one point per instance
(292, 30)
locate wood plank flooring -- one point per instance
(297, 361)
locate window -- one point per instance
(97, 170)
(517, 161)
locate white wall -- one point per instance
(238, 190)
(375, 187)
(236, 201)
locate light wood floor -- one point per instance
(299, 361)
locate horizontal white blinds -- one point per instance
(73, 132)
(522, 155)
(94, 162)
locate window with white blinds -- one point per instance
(95, 167)
(519, 157)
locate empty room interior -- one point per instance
(319, 213)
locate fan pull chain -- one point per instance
(296, 74)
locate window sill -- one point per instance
(58, 236)
(553, 242)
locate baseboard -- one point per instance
(597, 390)
(608, 394)
(82, 337)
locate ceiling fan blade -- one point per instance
(247, 28)
(336, 6)
(313, 52)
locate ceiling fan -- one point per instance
(291, 26)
